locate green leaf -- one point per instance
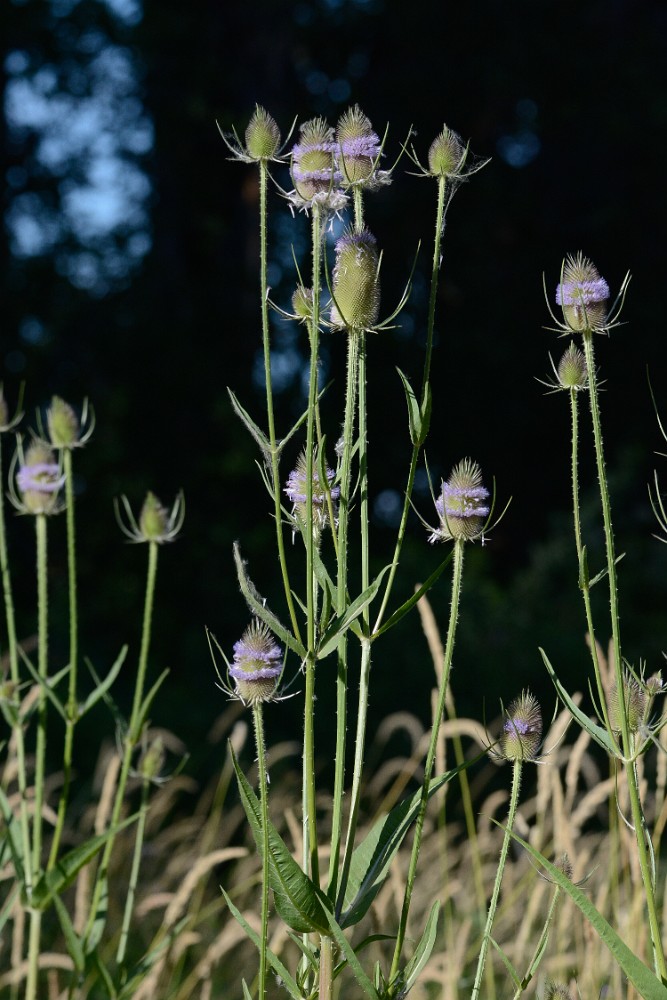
(642, 978)
(272, 959)
(410, 603)
(508, 965)
(603, 572)
(145, 964)
(104, 973)
(74, 946)
(246, 992)
(47, 684)
(351, 958)
(13, 836)
(148, 701)
(414, 410)
(104, 686)
(427, 402)
(100, 921)
(423, 950)
(258, 606)
(63, 874)
(600, 735)
(6, 911)
(329, 640)
(372, 857)
(251, 426)
(299, 902)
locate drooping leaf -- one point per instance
(258, 606)
(298, 901)
(642, 978)
(272, 959)
(508, 965)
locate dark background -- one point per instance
(129, 275)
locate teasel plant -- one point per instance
(623, 704)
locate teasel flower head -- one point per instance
(39, 480)
(522, 729)
(356, 282)
(564, 865)
(297, 492)
(314, 171)
(152, 760)
(556, 991)
(262, 136)
(636, 702)
(257, 664)
(447, 155)
(65, 430)
(359, 150)
(583, 295)
(572, 369)
(462, 504)
(156, 523)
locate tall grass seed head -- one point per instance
(39, 480)
(63, 424)
(297, 492)
(583, 295)
(314, 160)
(522, 729)
(257, 664)
(358, 146)
(262, 136)
(447, 154)
(461, 506)
(572, 369)
(356, 284)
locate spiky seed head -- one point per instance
(572, 369)
(257, 664)
(152, 761)
(655, 685)
(556, 991)
(358, 146)
(583, 295)
(39, 480)
(356, 285)
(313, 159)
(461, 505)
(63, 424)
(564, 865)
(297, 491)
(153, 519)
(262, 136)
(446, 155)
(522, 729)
(302, 303)
(635, 698)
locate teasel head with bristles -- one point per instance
(461, 506)
(635, 704)
(314, 172)
(556, 991)
(261, 141)
(257, 664)
(356, 281)
(156, 523)
(297, 491)
(447, 155)
(39, 480)
(522, 730)
(65, 430)
(359, 150)
(583, 295)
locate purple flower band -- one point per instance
(465, 501)
(351, 238)
(295, 488)
(42, 477)
(260, 674)
(316, 175)
(361, 145)
(254, 653)
(313, 147)
(519, 726)
(577, 293)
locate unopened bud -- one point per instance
(446, 155)
(63, 424)
(262, 136)
(356, 286)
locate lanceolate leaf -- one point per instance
(414, 411)
(12, 835)
(257, 605)
(298, 901)
(600, 735)
(330, 638)
(250, 424)
(371, 859)
(351, 959)
(273, 960)
(423, 950)
(104, 686)
(410, 603)
(642, 978)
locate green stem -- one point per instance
(33, 954)
(134, 874)
(263, 797)
(273, 445)
(583, 576)
(541, 944)
(72, 702)
(638, 820)
(325, 991)
(457, 576)
(514, 801)
(42, 668)
(341, 601)
(417, 445)
(13, 651)
(132, 735)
